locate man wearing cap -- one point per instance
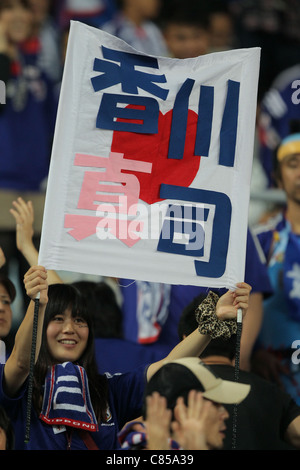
(174, 382)
(268, 418)
(280, 242)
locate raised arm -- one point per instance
(17, 366)
(23, 213)
(193, 345)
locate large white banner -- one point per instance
(151, 163)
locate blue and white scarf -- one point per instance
(67, 399)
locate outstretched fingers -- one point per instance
(22, 210)
(190, 424)
(157, 422)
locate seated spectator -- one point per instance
(185, 27)
(280, 244)
(198, 419)
(268, 418)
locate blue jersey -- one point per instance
(281, 323)
(116, 355)
(279, 328)
(125, 403)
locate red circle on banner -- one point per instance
(153, 148)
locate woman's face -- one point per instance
(16, 21)
(67, 337)
(5, 312)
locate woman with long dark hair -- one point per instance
(73, 406)
(67, 298)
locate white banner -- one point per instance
(151, 163)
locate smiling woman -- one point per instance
(67, 325)
(73, 406)
(68, 336)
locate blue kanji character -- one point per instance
(216, 264)
(228, 130)
(124, 72)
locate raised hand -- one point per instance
(190, 423)
(230, 302)
(24, 216)
(158, 422)
(35, 281)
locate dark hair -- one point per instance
(187, 322)
(101, 301)
(221, 347)
(7, 427)
(184, 12)
(9, 286)
(8, 3)
(172, 381)
(61, 297)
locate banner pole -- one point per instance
(236, 372)
(31, 368)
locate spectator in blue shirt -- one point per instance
(74, 407)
